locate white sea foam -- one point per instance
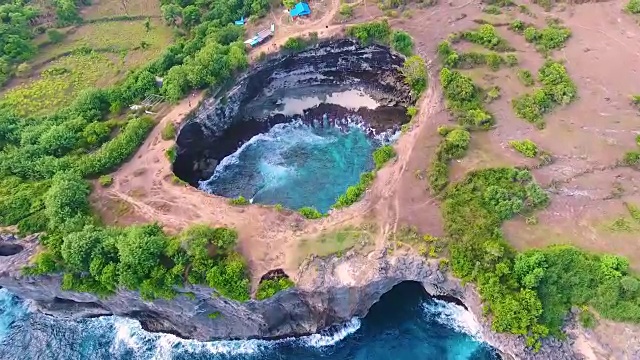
(130, 335)
(333, 337)
(453, 316)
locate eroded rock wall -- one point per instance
(226, 120)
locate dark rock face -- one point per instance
(226, 121)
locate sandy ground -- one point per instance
(586, 139)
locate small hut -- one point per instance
(300, 10)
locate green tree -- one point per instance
(66, 199)
(415, 74)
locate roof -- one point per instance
(300, 9)
(259, 37)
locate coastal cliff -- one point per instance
(328, 291)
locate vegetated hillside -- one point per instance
(46, 159)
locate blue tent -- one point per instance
(240, 22)
(301, 9)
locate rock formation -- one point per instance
(328, 291)
(226, 120)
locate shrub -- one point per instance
(415, 74)
(268, 288)
(525, 147)
(295, 44)
(402, 43)
(310, 212)
(587, 319)
(412, 111)
(493, 93)
(494, 61)
(438, 176)
(346, 10)
(631, 158)
(55, 36)
(171, 153)
(114, 152)
(383, 154)
(511, 60)
(240, 200)
(633, 7)
(105, 180)
(214, 315)
(168, 132)
(525, 77)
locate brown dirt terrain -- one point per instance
(586, 139)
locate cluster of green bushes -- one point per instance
(486, 35)
(101, 260)
(557, 89)
(453, 145)
(464, 100)
(299, 43)
(546, 39)
(529, 293)
(15, 37)
(371, 32)
(268, 288)
(382, 155)
(44, 159)
(380, 32)
(525, 147)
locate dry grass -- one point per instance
(107, 8)
(338, 241)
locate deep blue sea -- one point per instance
(404, 325)
(296, 165)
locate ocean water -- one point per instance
(296, 165)
(404, 325)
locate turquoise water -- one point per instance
(404, 325)
(295, 165)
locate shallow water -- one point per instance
(404, 325)
(296, 165)
(349, 99)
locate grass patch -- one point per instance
(338, 241)
(59, 84)
(171, 153)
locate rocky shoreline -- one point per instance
(228, 119)
(328, 291)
